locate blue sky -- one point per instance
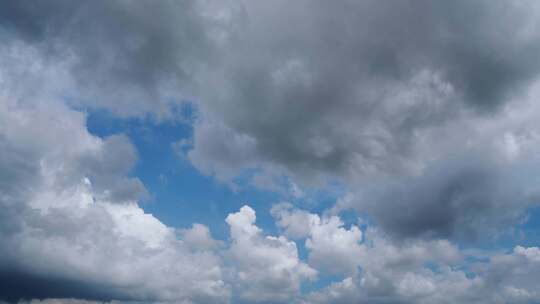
(181, 195)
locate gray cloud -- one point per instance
(128, 57)
(465, 199)
(65, 236)
(334, 83)
(373, 94)
(73, 242)
(424, 108)
(410, 271)
(68, 237)
(353, 91)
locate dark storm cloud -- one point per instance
(456, 199)
(319, 90)
(372, 92)
(16, 286)
(335, 83)
(124, 52)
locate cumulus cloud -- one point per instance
(69, 237)
(419, 271)
(333, 248)
(117, 54)
(358, 92)
(66, 240)
(375, 99)
(345, 88)
(267, 268)
(473, 191)
(428, 109)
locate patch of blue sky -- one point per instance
(180, 194)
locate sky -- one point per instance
(279, 151)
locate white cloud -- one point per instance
(332, 248)
(266, 268)
(199, 237)
(70, 223)
(435, 134)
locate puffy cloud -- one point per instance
(433, 272)
(70, 237)
(267, 268)
(473, 191)
(337, 250)
(334, 90)
(58, 301)
(101, 251)
(199, 237)
(515, 274)
(117, 54)
(424, 113)
(334, 93)
(425, 108)
(408, 271)
(296, 223)
(333, 248)
(66, 236)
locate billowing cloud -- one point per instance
(347, 88)
(66, 237)
(424, 113)
(333, 248)
(267, 268)
(358, 92)
(118, 54)
(414, 271)
(422, 102)
(497, 282)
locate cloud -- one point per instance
(408, 271)
(117, 54)
(333, 248)
(267, 268)
(58, 301)
(199, 237)
(426, 104)
(336, 90)
(428, 109)
(68, 240)
(473, 191)
(352, 92)
(70, 237)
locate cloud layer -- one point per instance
(425, 113)
(426, 101)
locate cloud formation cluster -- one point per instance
(379, 270)
(423, 106)
(428, 108)
(66, 236)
